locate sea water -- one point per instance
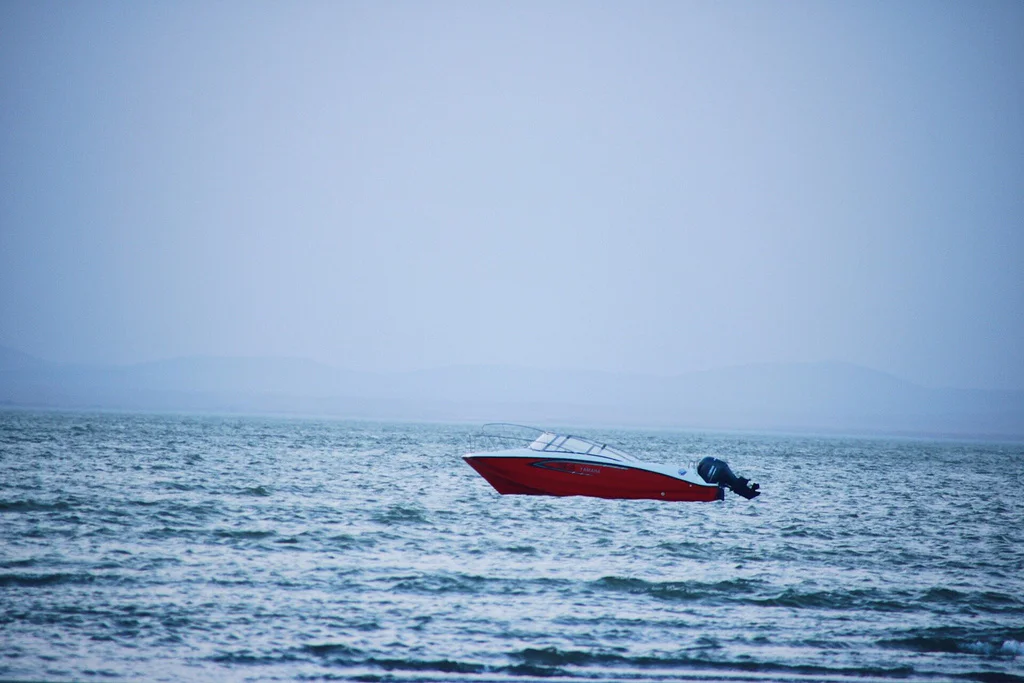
(192, 548)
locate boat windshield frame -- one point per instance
(553, 442)
(547, 441)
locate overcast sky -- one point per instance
(650, 187)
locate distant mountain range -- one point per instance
(829, 396)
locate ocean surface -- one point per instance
(194, 548)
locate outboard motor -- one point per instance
(715, 471)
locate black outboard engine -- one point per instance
(715, 471)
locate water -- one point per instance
(184, 548)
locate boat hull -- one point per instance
(547, 476)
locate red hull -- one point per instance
(546, 476)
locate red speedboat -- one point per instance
(551, 464)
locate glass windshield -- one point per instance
(550, 442)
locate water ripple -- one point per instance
(145, 547)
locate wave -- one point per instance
(986, 601)
(401, 514)
(555, 659)
(552, 662)
(552, 656)
(682, 591)
(443, 583)
(259, 491)
(333, 650)
(32, 506)
(1003, 645)
(248, 657)
(180, 486)
(754, 592)
(23, 562)
(347, 541)
(853, 599)
(992, 677)
(472, 584)
(244, 533)
(33, 580)
(689, 550)
(447, 666)
(521, 549)
(1008, 648)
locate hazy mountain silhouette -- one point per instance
(829, 396)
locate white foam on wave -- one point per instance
(1012, 648)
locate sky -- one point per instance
(636, 187)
